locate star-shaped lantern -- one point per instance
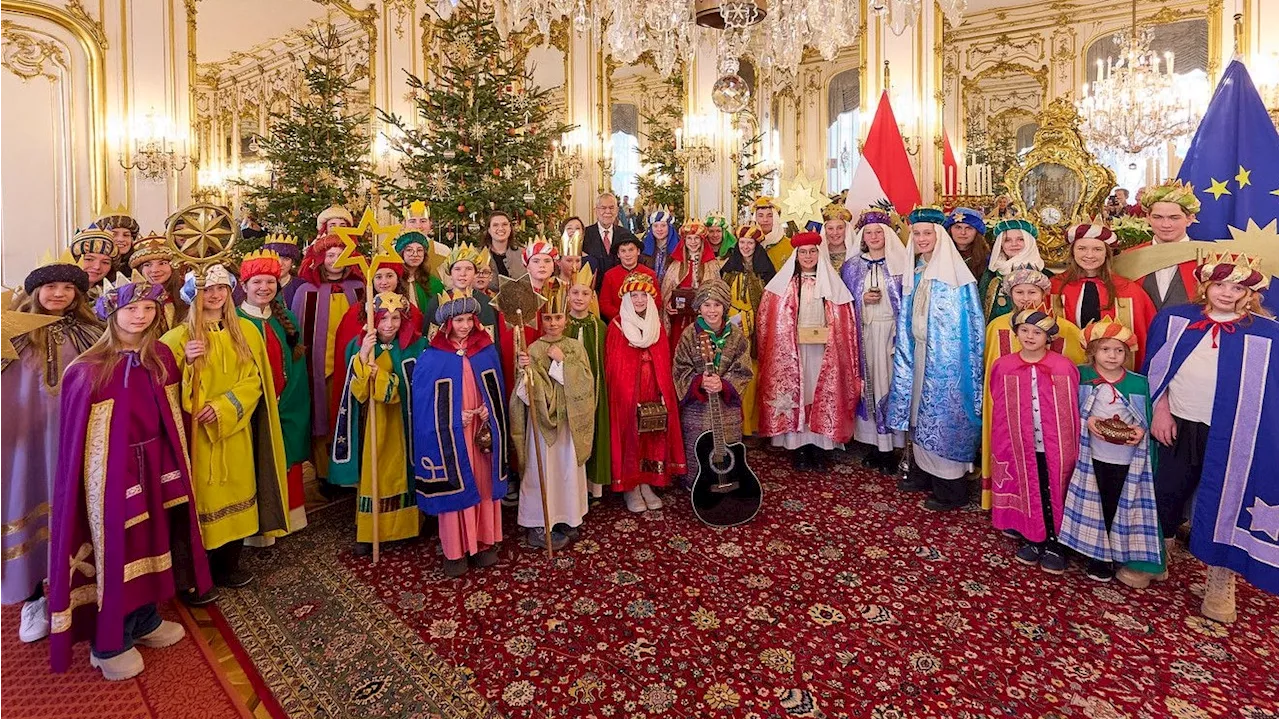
(384, 250)
(14, 324)
(802, 200)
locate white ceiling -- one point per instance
(226, 26)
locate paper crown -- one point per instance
(109, 218)
(585, 276)
(390, 302)
(927, 214)
(93, 241)
(557, 297)
(873, 216)
(260, 262)
(637, 282)
(570, 243)
(539, 246)
(1107, 328)
(1182, 194)
(124, 292)
(1036, 317)
(60, 269)
(1016, 223)
(466, 252)
(152, 247)
(1234, 267)
(417, 210)
(280, 238)
(452, 303)
(717, 219)
(836, 211)
(966, 216)
(764, 201)
(1094, 229)
(333, 212)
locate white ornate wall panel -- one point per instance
(52, 173)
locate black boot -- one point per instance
(948, 495)
(915, 481)
(886, 463)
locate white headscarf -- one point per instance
(1029, 256)
(896, 260)
(640, 331)
(829, 285)
(946, 264)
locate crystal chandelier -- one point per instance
(1133, 106)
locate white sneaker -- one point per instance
(650, 499)
(35, 620)
(120, 667)
(167, 634)
(635, 502)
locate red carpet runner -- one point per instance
(180, 682)
(842, 598)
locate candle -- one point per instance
(1168, 61)
(1099, 75)
(678, 138)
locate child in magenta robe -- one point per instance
(1035, 430)
(125, 535)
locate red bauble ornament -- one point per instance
(528, 212)
(462, 209)
(497, 172)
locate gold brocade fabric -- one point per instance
(573, 402)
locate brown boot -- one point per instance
(1220, 595)
(454, 568)
(1133, 578)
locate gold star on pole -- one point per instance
(384, 250)
(518, 301)
(205, 231)
(14, 324)
(1242, 177)
(1218, 189)
(802, 200)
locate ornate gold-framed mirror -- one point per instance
(1059, 181)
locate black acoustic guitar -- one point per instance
(726, 491)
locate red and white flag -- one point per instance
(886, 153)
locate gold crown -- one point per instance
(585, 276)
(1239, 259)
(836, 211)
(152, 247)
(466, 252)
(764, 201)
(390, 302)
(571, 244)
(556, 300)
(116, 211)
(418, 210)
(280, 238)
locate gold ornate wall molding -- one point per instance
(92, 40)
(25, 53)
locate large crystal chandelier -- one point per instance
(1133, 106)
(773, 34)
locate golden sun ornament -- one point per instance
(802, 200)
(384, 251)
(14, 324)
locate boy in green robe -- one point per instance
(589, 330)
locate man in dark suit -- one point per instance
(600, 237)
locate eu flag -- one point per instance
(1232, 162)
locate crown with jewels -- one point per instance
(836, 211)
(153, 246)
(873, 216)
(124, 292)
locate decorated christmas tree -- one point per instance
(750, 180)
(662, 184)
(317, 150)
(482, 136)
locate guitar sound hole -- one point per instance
(722, 462)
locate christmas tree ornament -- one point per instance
(731, 94)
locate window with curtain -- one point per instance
(625, 121)
(842, 130)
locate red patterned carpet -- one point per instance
(180, 682)
(843, 598)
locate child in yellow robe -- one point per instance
(379, 366)
(239, 476)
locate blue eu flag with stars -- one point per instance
(1232, 160)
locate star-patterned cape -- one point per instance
(1235, 520)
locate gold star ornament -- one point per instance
(802, 200)
(384, 250)
(201, 232)
(14, 324)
